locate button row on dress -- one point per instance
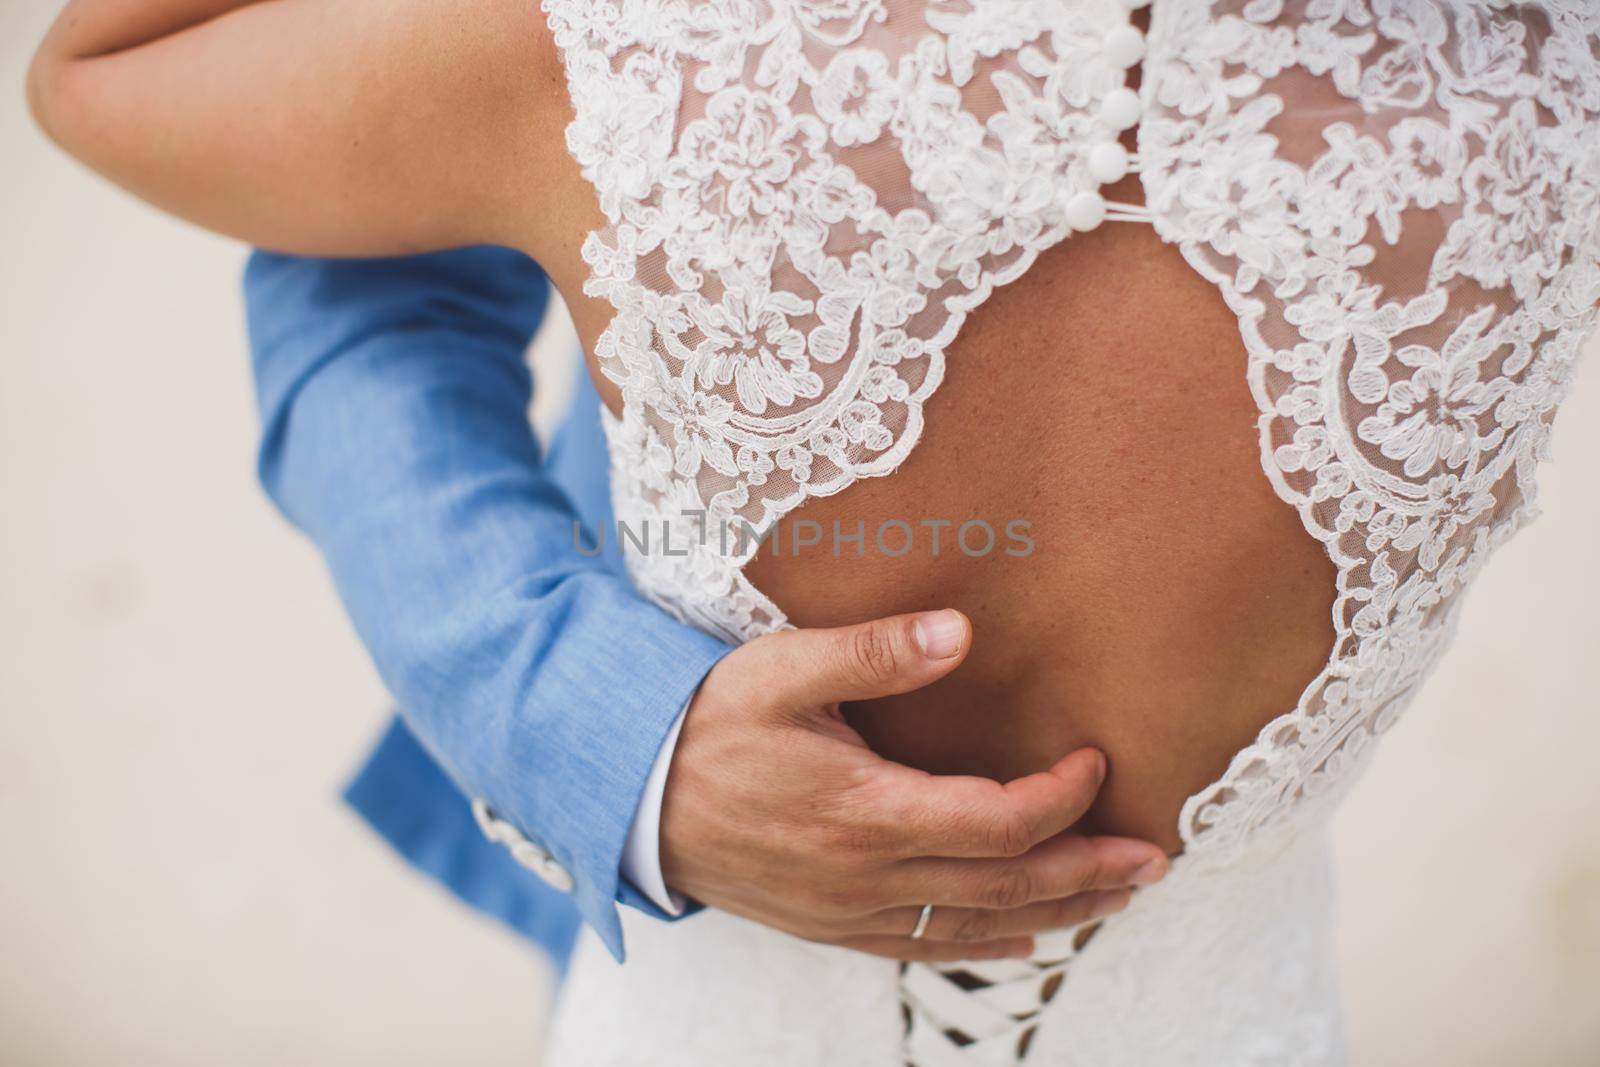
(1119, 111)
(1108, 162)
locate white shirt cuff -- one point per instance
(641, 853)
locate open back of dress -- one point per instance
(1398, 199)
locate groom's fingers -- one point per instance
(990, 924)
(884, 657)
(927, 950)
(1062, 867)
(959, 815)
(880, 840)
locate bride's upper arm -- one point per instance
(319, 128)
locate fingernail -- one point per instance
(1150, 872)
(939, 634)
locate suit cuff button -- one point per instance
(529, 855)
(540, 862)
(492, 826)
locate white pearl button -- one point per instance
(1120, 109)
(1124, 46)
(1108, 162)
(1085, 211)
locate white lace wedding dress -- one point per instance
(1400, 199)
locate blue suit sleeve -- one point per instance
(394, 399)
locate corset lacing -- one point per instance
(977, 1013)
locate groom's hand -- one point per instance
(776, 810)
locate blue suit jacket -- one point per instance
(394, 397)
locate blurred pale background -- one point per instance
(180, 698)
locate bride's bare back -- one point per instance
(1168, 605)
(1171, 604)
